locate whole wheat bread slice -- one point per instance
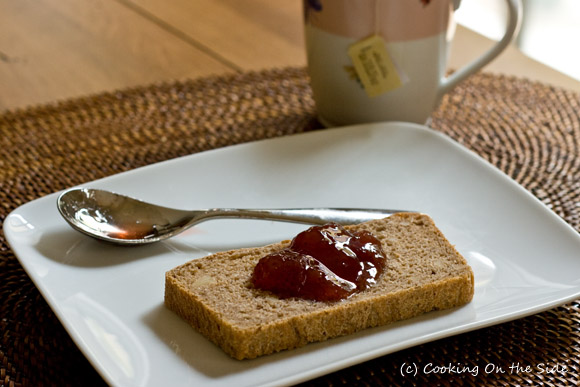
(215, 295)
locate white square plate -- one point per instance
(110, 299)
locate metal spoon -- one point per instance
(123, 220)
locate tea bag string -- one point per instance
(377, 17)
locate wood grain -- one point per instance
(253, 34)
(56, 49)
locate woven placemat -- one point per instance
(528, 130)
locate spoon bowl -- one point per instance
(123, 220)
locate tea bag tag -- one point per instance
(374, 66)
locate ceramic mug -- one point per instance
(385, 60)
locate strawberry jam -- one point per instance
(323, 263)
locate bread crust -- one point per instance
(215, 296)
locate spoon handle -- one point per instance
(344, 216)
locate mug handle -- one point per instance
(513, 24)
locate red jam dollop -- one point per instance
(323, 263)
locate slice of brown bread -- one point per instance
(215, 295)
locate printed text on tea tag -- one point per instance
(374, 66)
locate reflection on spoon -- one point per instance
(123, 220)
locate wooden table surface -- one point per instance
(57, 49)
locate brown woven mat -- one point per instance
(528, 130)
